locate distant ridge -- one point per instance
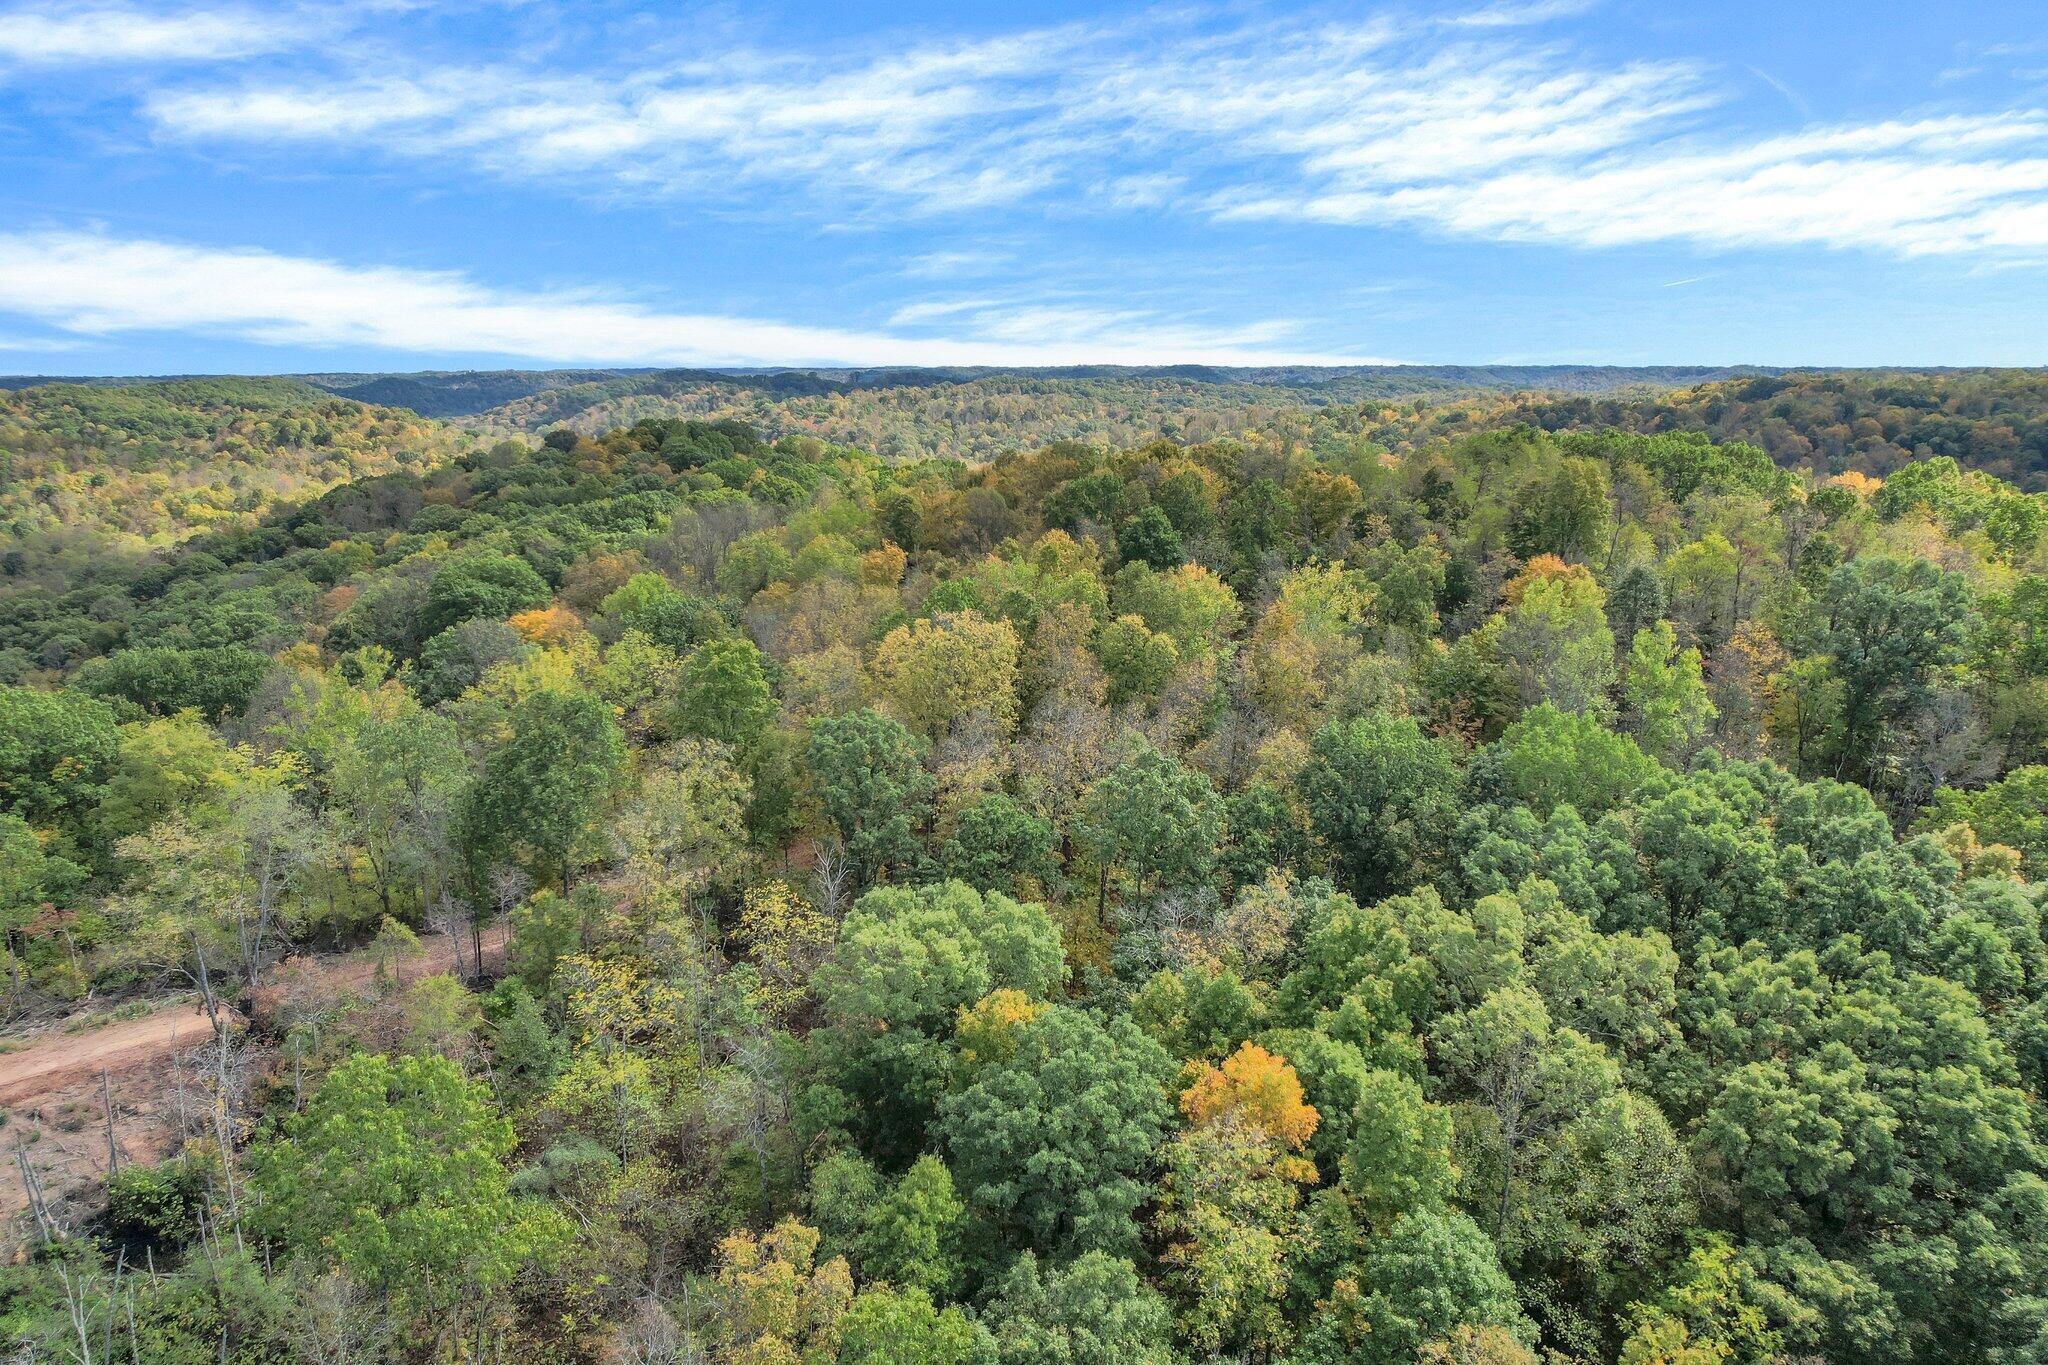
(468, 393)
(465, 393)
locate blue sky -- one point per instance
(393, 184)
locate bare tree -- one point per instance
(1943, 747)
(832, 875)
(47, 1227)
(225, 1080)
(277, 844)
(454, 918)
(338, 1323)
(651, 1337)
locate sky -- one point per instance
(403, 184)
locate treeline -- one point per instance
(972, 419)
(1833, 421)
(1279, 898)
(87, 470)
(1872, 422)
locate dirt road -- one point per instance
(53, 1102)
(58, 1060)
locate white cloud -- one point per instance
(115, 34)
(39, 344)
(971, 124)
(1462, 127)
(1945, 186)
(1513, 15)
(933, 126)
(928, 310)
(939, 265)
(93, 285)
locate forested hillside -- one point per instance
(1872, 421)
(977, 414)
(1830, 421)
(100, 468)
(1502, 897)
(453, 393)
(974, 419)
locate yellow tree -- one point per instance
(935, 673)
(1229, 1207)
(1258, 1087)
(789, 938)
(777, 1305)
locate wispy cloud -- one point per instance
(1466, 128)
(39, 344)
(963, 126)
(940, 265)
(1510, 14)
(1950, 185)
(952, 125)
(121, 34)
(88, 284)
(928, 310)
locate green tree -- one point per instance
(1551, 758)
(395, 1172)
(1355, 977)
(2012, 811)
(1564, 513)
(1381, 797)
(725, 694)
(1708, 1315)
(542, 791)
(1889, 624)
(1664, 696)
(1258, 522)
(1554, 642)
(1228, 1215)
(1051, 1145)
(1532, 1077)
(1154, 817)
(1428, 1275)
(1398, 1160)
(214, 682)
(684, 830)
(1096, 1310)
(1150, 538)
(1137, 661)
(30, 875)
(996, 842)
(173, 766)
(869, 775)
(489, 585)
(526, 1055)
(1187, 603)
(456, 660)
(912, 1233)
(394, 781)
(55, 749)
(906, 962)
(651, 605)
(886, 1326)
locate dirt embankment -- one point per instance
(54, 1100)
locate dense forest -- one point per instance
(92, 469)
(1493, 880)
(1872, 421)
(974, 418)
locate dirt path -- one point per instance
(57, 1061)
(52, 1099)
